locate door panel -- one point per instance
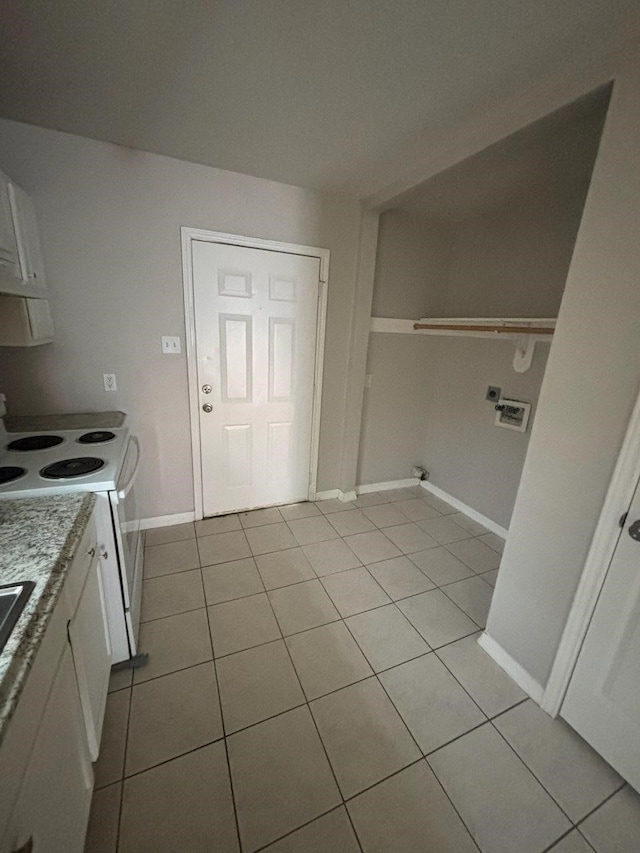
(255, 320)
(603, 699)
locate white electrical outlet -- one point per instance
(171, 345)
(110, 383)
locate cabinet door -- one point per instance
(40, 321)
(53, 806)
(8, 249)
(27, 238)
(91, 650)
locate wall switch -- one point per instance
(109, 380)
(171, 345)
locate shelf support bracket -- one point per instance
(525, 347)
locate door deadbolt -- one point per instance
(206, 389)
(207, 408)
(634, 530)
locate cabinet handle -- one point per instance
(104, 554)
(27, 847)
(91, 552)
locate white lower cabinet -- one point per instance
(53, 805)
(91, 655)
(46, 774)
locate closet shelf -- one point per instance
(524, 331)
(508, 326)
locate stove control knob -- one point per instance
(207, 408)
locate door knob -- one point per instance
(634, 530)
(206, 389)
(207, 408)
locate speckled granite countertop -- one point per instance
(39, 538)
(81, 420)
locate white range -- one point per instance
(104, 461)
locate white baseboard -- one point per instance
(467, 510)
(166, 520)
(513, 669)
(335, 493)
(328, 495)
(390, 484)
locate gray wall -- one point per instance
(427, 401)
(466, 454)
(512, 262)
(590, 387)
(395, 407)
(427, 406)
(110, 222)
(412, 264)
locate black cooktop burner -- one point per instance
(9, 473)
(72, 468)
(97, 437)
(35, 442)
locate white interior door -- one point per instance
(603, 699)
(255, 323)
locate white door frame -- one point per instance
(188, 235)
(603, 545)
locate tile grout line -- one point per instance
(539, 781)
(340, 619)
(308, 705)
(475, 630)
(606, 799)
(376, 675)
(224, 735)
(295, 634)
(560, 838)
(307, 702)
(338, 537)
(460, 607)
(124, 763)
(423, 756)
(303, 826)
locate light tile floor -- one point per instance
(315, 686)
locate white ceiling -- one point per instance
(548, 160)
(319, 94)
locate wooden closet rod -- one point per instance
(518, 330)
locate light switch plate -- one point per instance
(171, 345)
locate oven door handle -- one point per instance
(122, 493)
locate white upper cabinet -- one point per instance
(9, 264)
(21, 267)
